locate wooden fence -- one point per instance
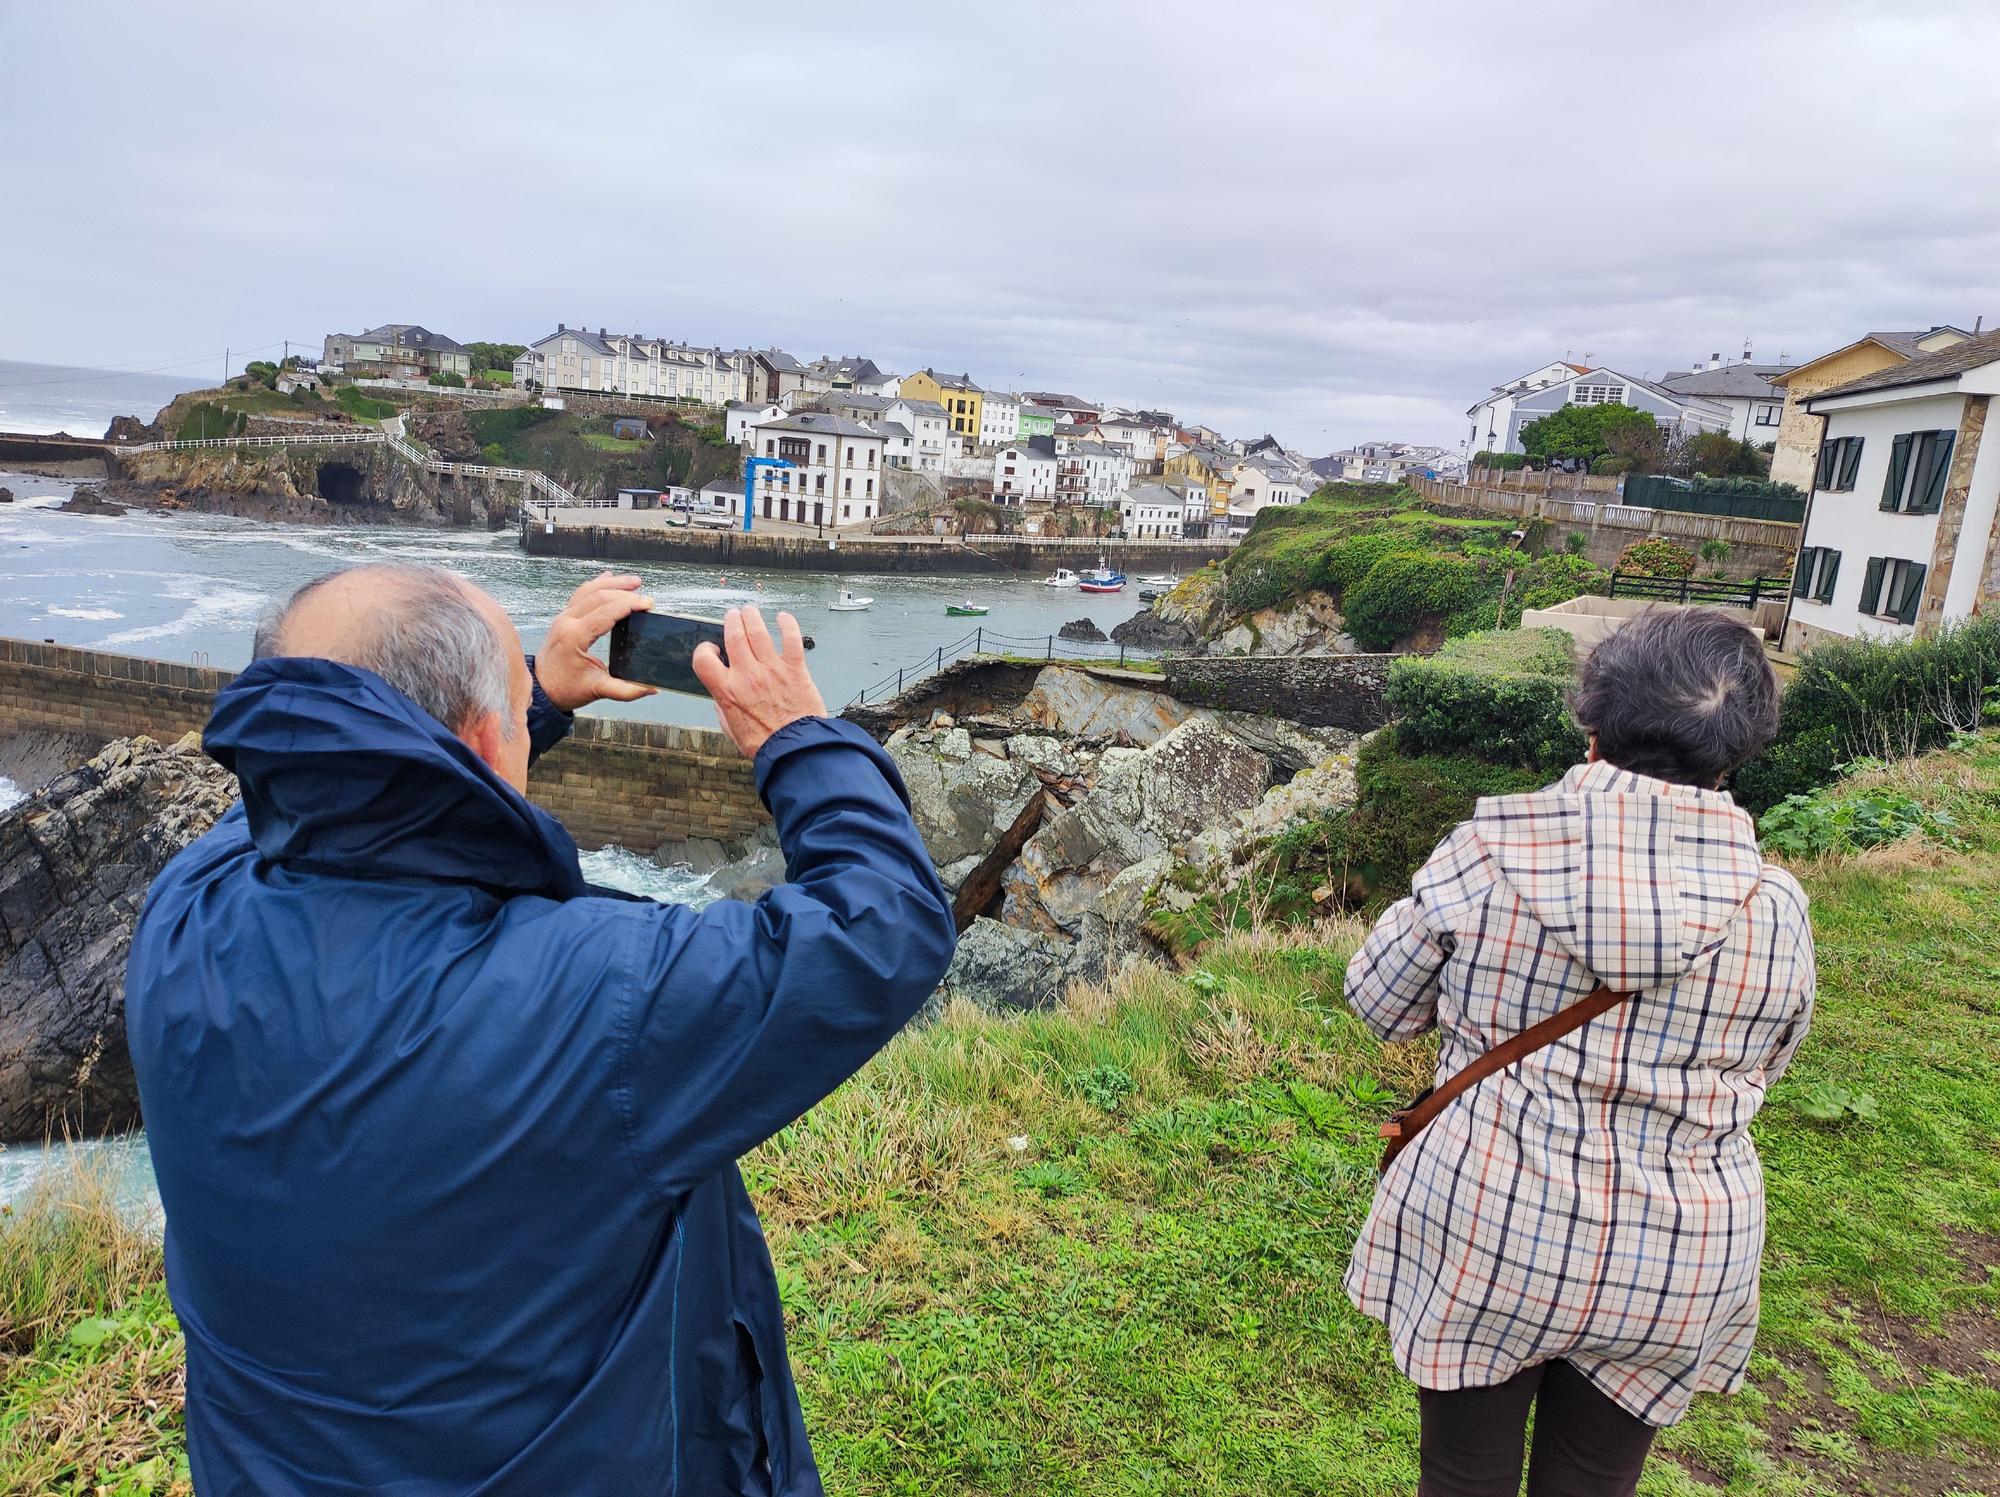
(1569, 508)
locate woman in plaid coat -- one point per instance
(1581, 1231)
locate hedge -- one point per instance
(1404, 589)
(1860, 697)
(1500, 695)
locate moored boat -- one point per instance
(849, 602)
(1164, 579)
(1062, 577)
(1101, 579)
(966, 610)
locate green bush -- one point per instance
(449, 380)
(1821, 821)
(1405, 590)
(1737, 487)
(1500, 695)
(501, 426)
(1854, 698)
(1500, 462)
(1657, 557)
(1611, 467)
(1346, 562)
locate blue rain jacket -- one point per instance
(446, 1137)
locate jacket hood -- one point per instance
(342, 772)
(1636, 878)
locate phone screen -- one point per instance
(658, 649)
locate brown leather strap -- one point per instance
(1408, 1123)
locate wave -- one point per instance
(635, 873)
(205, 609)
(92, 615)
(10, 794)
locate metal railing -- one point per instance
(1721, 590)
(1099, 543)
(983, 641)
(308, 439)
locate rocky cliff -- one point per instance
(76, 859)
(350, 483)
(1195, 619)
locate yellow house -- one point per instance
(1797, 448)
(1199, 467)
(961, 398)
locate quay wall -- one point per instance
(634, 783)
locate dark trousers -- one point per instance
(1585, 1444)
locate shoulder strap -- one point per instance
(1405, 1125)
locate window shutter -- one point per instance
(1850, 462)
(1871, 586)
(1823, 473)
(1802, 578)
(1913, 593)
(1899, 465)
(1932, 498)
(1829, 576)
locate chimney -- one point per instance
(560, 328)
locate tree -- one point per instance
(495, 355)
(1583, 433)
(1722, 456)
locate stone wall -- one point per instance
(1325, 691)
(634, 783)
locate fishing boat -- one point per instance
(966, 610)
(1166, 580)
(1063, 577)
(849, 602)
(1101, 579)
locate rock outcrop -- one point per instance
(6, 495)
(1309, 624)
(1082, 629)
(1085, 705)
(76, 860)
(86, 500)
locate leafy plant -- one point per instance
(1576, 543)
(1587, 432)
(1835, 820)
(1366, 1091)
(1716, 550)
(1657, 557)
(1051, 1177)
(1825, 1102)
(1103, 1086)
(1404, 590)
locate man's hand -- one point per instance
(759, 690)
(570, 675)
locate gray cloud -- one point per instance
(1292, 217)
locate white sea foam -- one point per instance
(206, 609)
(10, 794)
(635, 873)
(93, 615)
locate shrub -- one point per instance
(1744, 488)
(1346, 562)
(449, 380)
(1404, 590)
(1500, 462)
(1576, 543)
(1858, 697)
(1716, 550)
(503, 425)
(1611, 467)
(1657, 557)
(1500, 695)
(1820, 822)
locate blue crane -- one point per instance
(750, 468)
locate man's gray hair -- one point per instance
(1681, 694)
(423, 634)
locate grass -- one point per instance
(363, 407)
(1098, 1250)
(604, 442)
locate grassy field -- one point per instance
(1098, 1251)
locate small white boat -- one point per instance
(849, 602)
(1063, 577)
(1160, 580)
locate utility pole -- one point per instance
(225, 365)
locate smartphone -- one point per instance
(658, 649)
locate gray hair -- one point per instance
(1681, 694)
(424, 635)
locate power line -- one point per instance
(104, 374)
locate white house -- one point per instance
(1090, 472)
(1151, 510)
(1492, 416)
(999, 419)
(741, 417)
(1899, 534)
(1677, 415)
(1025, 470)
(1755, 405)
(1259, 482)
(637, 367)
(856, 374)
(836, 477)
(1138, 436)
(723, 496)
(1197, 510)
(926, 421)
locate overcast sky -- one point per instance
(1330, 221)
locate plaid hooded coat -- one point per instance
(1600, 1201)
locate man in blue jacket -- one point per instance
(446, 1138)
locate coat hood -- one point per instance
(1636, 878)
(342, 772)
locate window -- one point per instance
(1918, 463)
(847, 486)
(846, 510)
(871, 488)
(1892, 589)
(1767, 415)
(822, 452)
(1819, 566)
(1839, 461)
(770, 447)
(1597, 395)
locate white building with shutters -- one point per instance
(1024, 471)
(1900, 535)
(836, 477)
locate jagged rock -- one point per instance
(1183, 619)
(6, 495)
(76, 860)
(1144, 802)
(760, 867)
(1309, 624)
(1110, 935)
(1148, 631)
(1082, 629)
(88, 501)
(1313, 794)
(1077, 702)
(132, 429)
(698, 854)
(1002, 966)
(964, 803)
(1291, 747)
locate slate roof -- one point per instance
(779, 360)
(409, 335)
(1041, 447)
(1741, 381)
(1156, 493)
(893, 429)
(823, 423)
(955, 382)
(1944, 364)
(856, 368)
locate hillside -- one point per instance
(1097, 1250)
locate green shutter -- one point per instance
(1823, 473)
(1899, 467)
(1803, 576)
(1931, 500)
(1831, 574)
(1871, 585)
(1850, 462)
(1913, 593)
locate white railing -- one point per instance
(1088, 542)
(320, 439)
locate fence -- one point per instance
(1049, 647)
(1090, 543)
(1649, 491)
(1678, 524)
(1699, 589)
(310, 439)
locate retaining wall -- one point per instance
(634, 783)
(1325, 691)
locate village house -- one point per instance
(1152, 511)
(999, 419)
(856, 374)
(1492, 417)
(1063, 407)
(740, 418)
(836, 475)
(635, 367)
(1676, 415)
(1198, 517)
(396, 350)
(959, 396)
(925, 420)
(1799, 432)
(1025, 470)
(1744, 389)
(780, 379)
(1090, 472)
(1900, 535)
(1033, 421)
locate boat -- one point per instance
(966, 610)
(1150, 595)
(847, 602)
(1163, 580)
(1101, 579)
(1063, 577)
